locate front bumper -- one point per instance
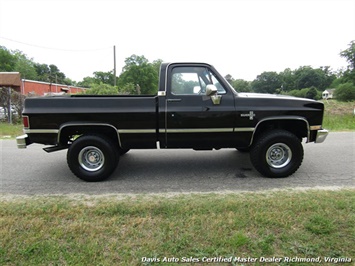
(321, 135)
(22, 141)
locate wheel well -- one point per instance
(296, 126)
(67, 133)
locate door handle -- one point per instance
(173, 100)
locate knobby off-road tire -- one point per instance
(278, 153)
(92, 158)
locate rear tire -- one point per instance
(278, 153)
(92, 158)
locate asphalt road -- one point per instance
(35, 172)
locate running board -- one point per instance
(56, 148)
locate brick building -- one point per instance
(32, 87)
(46, 88)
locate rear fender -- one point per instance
(79, 128)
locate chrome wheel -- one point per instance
(91, 158)
(278, 155)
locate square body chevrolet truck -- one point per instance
(195, 108)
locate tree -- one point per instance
(104, 77)
(330, 76)
(128, 88)
(312, 93)
(5, 95)
(306, 77)
(156, 64)
(56, 76)
(241, 85)
(17, 61)
(43, 72)
(287, 78)
(7, 60)
(101, 89)
(87, 82)
(229, 78)
(49, 73)
(17, 101)
(140, 72)
(99, 77)
(25, 66)
(349, 55)
(266, 82)
(345, 92)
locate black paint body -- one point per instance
(174, 121)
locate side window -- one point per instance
(193, 81)
(185, 80)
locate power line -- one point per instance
(54, 48)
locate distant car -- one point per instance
(3, 112)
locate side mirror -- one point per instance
(211, 90)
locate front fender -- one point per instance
(295, 124)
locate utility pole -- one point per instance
(114, 65)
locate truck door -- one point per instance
(193, 119)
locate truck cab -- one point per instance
(196, 108)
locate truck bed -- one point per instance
(125, 113)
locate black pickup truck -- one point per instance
(195, 108)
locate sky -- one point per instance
(239, 37)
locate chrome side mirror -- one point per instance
(211, 90)
(216, 99)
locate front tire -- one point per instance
(279, 153)
(92, 158)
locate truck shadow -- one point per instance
(183, 164)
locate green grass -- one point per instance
(10, 130)
(339, 122)
(107, 230)
(339, 116)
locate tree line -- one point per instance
(17, 61)
(139, 76)
(305, 81)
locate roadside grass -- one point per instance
(124, 230)
(10, 130)
(339, 116)
(339, 122)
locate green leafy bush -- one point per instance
(310, 93)
(345, 92)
